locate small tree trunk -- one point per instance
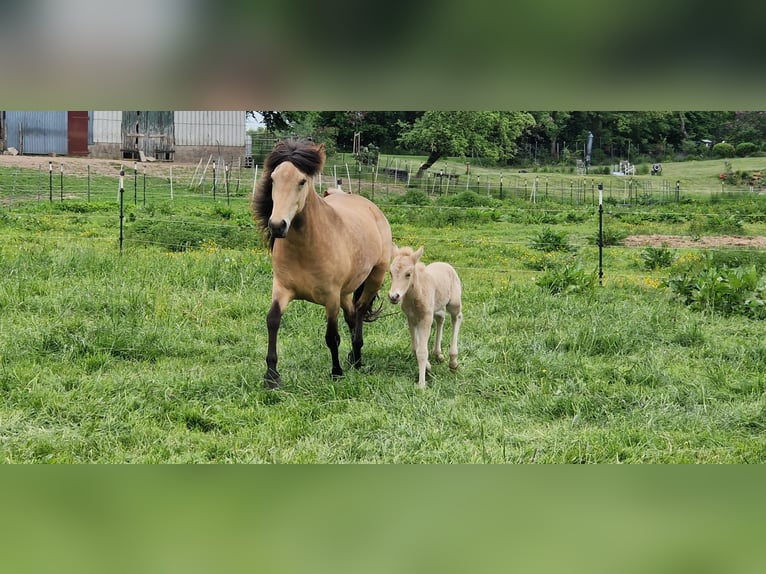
(435, 155)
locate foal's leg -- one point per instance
(437, 348)
(457, 319)
(420, 342)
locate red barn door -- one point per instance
(77, 133)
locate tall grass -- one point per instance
(158, 354)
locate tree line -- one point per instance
(535, 137)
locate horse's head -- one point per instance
(286, 183)
(290, 189)
(402, 269)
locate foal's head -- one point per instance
(285, 185)
(402, 269)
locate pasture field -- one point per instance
(157, 354)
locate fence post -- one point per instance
(678, 189)
(88, 183)
(214, 179)
(61, 182)
(600, 233)
(50, 181)
(135, 183)
(122, 210)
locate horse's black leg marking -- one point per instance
(332, 338)
(355, 325)
(273, 319)
(357, 339)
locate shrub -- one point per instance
(728, 224)
(413, 197)
(745, 149)
(657, 257)
(550, 240)
(610, 235)
(567, 278)
(468, 199)
(728, 291)
(723, 149)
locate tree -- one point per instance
(491, 135)
(285, 122)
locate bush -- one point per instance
(723, 149)
(550, 240)
(611, 236)
(567, 278)
(745, 149)
(657, 257)
(413, 197)
(468, 199)
(716, 224)
(727, 291)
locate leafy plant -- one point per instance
(728, 291)
(745, 149)
(723, 149)
(610, 236)
(567, 278)
(657, 257)
(727, 224)
(550, 240)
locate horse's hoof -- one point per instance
(439, 358)
(271, 379)
(336, 373)
(354, 362)
(453, 367)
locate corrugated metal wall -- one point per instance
(210, 128)
(107, 127)
(37, 132)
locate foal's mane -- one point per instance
(307, 156)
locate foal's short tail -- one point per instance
(373, 311)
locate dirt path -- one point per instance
(686, 241)
(79, 165)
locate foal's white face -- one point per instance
(290, 188)
(402, 269)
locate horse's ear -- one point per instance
(394, 249)
(418, 254)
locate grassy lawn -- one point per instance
(158, 354)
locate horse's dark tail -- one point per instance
(373, 311)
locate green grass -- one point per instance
(158, 354)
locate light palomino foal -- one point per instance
(425, 294)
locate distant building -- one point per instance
(183, 136)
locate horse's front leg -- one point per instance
(420, 344)
(273, 320)
(332, 337)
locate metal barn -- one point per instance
(183, 136)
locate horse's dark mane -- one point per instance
(307, 156)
